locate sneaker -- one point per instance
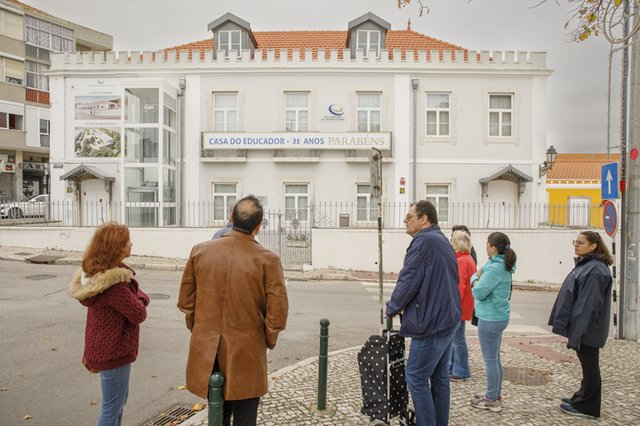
(480, 396)
(566, 400)
(487, 404)
(568, 408)
(459, 378)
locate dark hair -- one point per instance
(247, 214)
(106, 249)
(462, 228)
(601, 252)
(424, 207)
(502, 243)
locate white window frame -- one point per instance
(501, 113)
(438, 113)
(296, 197)
(46, 133)
(42, 81)
(579, 211)
(226, 127)
(226, 196)
(8, 76)
(369, 124)
(230, 45)
(437, 199)
(366, 45)
(298, 124)
(370, 212)
(19, 120)
(38, 27)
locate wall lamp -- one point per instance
(548, 164)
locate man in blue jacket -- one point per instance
(427, 295)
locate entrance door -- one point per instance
(579, 211)
(94, 203)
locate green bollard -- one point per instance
(322, 365)
(216, 401)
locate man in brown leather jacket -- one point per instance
(235, 303)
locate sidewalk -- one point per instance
(62, 257)
(538, 371)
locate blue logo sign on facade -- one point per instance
(609, 181)
(610, 218)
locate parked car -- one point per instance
(35, 206)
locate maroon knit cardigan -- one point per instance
(116, 307)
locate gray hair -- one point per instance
(461, 242)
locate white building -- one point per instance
(291, 117)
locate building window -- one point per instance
(225, 112)
(12, 71)
(296, 111)
(230, 40)
(439, 196)
(438, 114)
(224, 197)
(49, 36)
(10, 121)
(296, 201)
(500, 115)
(369, 112)
(141, 191)
(11, 25)
(35, 76)
(44, 132)
(369, 41)
(365, 211)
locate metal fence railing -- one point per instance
(295, 224)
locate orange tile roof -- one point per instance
(402, 40)
(579, 166)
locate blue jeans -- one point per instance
(490, 336)
(115, 390)
(428, 377)
(459, 364)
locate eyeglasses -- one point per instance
(578, 242)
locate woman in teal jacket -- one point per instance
(491, 288)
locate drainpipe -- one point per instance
(180, 189)
(414, 85)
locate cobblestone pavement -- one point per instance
(293, 390)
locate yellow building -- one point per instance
(574, 190)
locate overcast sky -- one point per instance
(577, 89)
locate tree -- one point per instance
(588, 18)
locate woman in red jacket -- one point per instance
(459, 367)
(115, 308)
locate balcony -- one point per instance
(37, 96)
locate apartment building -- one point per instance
(28, 37)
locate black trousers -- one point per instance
(243, 411)
(587, 400)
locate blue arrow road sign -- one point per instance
(609, 181)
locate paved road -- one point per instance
(42, 328)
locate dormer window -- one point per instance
(230, 40)
(369, 41)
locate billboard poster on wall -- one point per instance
(98, 107)
(97, 142)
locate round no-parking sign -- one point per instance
(610, 218)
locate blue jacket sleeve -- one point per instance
(410, 278)
(487, 283)
(585, 308)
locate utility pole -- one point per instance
(630, 219)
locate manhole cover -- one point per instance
(173, 415)
(526, 376)
(40, 277)
(43, 258)
(159, 296)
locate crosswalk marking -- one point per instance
(387, 289)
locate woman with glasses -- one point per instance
(581, 313)
(491, 288)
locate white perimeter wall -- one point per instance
(545, 256)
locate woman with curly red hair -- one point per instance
(115, 308)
